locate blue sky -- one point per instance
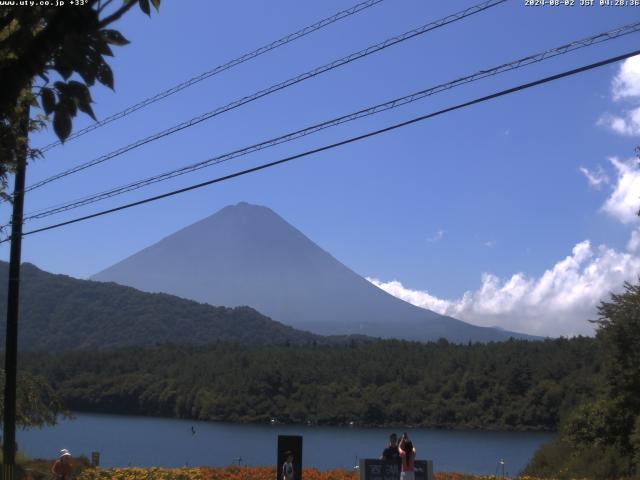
(483, 200)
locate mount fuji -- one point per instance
(248, 255)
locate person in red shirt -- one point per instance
(62, 467)
(407, 456)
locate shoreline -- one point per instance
(166, 442)
(453, 428)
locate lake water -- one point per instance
(148, 441)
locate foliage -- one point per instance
(562, 460)
(374, 384)
(634, 439)
(37, 404)
(39, 42)
(619, 334)
(596, 424)
(59, 312)
(40, 469)
(244, 473)
(601, 439)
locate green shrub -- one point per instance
(559, 459)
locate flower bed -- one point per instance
(238, 473)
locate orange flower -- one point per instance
(241, 473)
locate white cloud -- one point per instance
(559, 302)
(624, 202)
(565, 296)
(437, 237)
(416, 297)
(627, 124)
(489, 243)
(633, 245)
(626, 83)
(595, 178)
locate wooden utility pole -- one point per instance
(13, 298)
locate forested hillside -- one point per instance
(601, 438)
(58, 312)
(507, 385)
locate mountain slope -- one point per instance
(58, 312)
(248, 255)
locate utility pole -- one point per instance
(13, 297)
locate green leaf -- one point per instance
(105, 75)
(89, 69)
(61, 86)
(144, 6)
(78, 90)
(86, 108)
(62, 124)
(68, 103)
(62, 68)
(72, 53)
(156, 4)
(66, 99)
(102, 47)
(114, 37)
(48, 100)
(82, 97)
(88, 73)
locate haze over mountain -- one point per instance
(248, 255)
(58, 313)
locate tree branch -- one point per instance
(104, 5)
(116, 15)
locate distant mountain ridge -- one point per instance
(248, 255)
(58, 313)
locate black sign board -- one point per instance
(293, 444)
(374, 469)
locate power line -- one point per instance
(525, 61)
(219, 69)
(341, 143)
(276, 87)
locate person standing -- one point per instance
(62, 467)
(287, 468)
(391, 452)
(407, 453)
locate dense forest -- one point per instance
(600, 439)
(58, 312)
(103, 347)
(509, 385)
